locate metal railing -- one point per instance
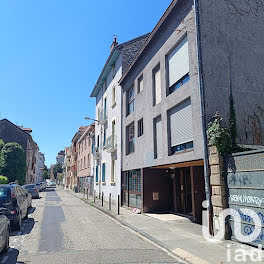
(111, 143)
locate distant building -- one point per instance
(60, 157)
(85, 158)
(40, 167)
(9, 132)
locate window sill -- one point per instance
(96, 183)
(104, 147)
(114, 104)
(103, 183)
(112, 183)
(182, 151)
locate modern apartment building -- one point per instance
(107, 91)
(85, 158)
(186, 71)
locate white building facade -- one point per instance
(107, 148)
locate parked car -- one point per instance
(38, 186)
(32, 189)
(14, 198)
(29, 197)
(44, 185)
(4, 231)
(52, 184)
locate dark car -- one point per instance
(14, 198)
(4, 231)
(32, 189)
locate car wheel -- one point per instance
(6, 247)
(18, 224)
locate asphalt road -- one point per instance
(63, 229)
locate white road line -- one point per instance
(4, 260)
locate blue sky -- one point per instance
(51, 54)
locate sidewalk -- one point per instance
(174, 233)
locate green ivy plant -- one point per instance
(219, 136)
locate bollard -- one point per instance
(102, 199)
(110, 201)
(94, 196)
(118, 204)
(87, 193)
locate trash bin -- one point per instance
(75, 189)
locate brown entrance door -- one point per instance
(183, 191)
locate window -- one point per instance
(96, 174)
(180, 125)
(130, 139)
(84, 163)
(178, 66)
(156, 85)
(81, 164)
(85, 143)
(103, 172)
(104, 137)
(131, 101)
(157, 124)
(98, 141)
(105, 105)
(113, 95)
(140, 127)
(140, 84)
(89, 141)
(88, 160)
(113, 171)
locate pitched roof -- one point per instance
(111, 61)
(150, 37)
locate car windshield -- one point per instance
(4, 195)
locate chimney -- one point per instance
(114, 44)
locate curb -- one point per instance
(178, 254)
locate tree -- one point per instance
(57, 169)
(3, 180)
(2, 143)
(46, 172)
(13, 162)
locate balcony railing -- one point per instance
(96, 153)
(102, 116)
(111, 144)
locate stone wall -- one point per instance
(218, 185)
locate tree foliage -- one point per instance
(13, 162)
(57, 169)
(2, 143)
(3, 179)
(46, 173)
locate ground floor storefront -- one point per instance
(174, 188)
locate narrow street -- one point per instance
(63, 229)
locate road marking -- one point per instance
(4, 260)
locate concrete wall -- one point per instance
(234, 29)
(180, 21)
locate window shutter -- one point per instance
(178, 61)
(181, 124)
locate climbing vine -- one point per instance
(219, 136)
